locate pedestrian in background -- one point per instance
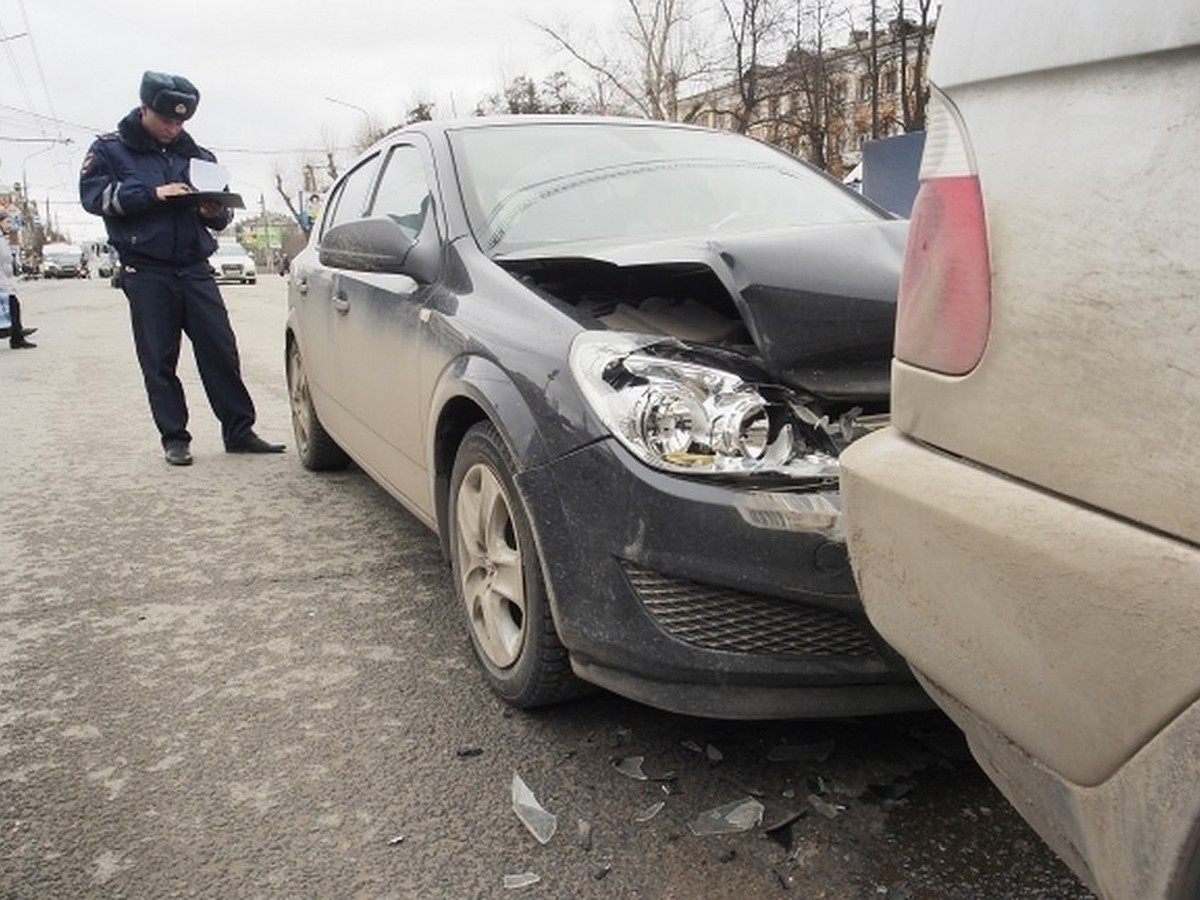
(137, 180)
(8, 288)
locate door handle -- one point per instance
(302, 286)
(341, 303)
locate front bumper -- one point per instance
(706, 599)
(237, 273)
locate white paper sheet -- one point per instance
(207, 176)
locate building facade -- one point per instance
(824, 105)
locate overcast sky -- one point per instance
(71, 70)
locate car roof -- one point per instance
(438, 127)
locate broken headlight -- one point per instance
(683, 412)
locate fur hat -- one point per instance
(172, 96)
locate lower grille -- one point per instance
(722, 619)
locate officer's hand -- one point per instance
(210, 210)
(174, 189)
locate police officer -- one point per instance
(136, 178)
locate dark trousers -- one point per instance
(16, 330)
(165, 304)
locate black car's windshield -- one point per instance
(526, 185)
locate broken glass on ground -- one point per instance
(631, 767)
(541, 824)
(521, 879)
(740, 815)
(824, 807)
(650, 811)
(583, 835)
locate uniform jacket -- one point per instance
(119, 176)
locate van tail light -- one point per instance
(944, 309)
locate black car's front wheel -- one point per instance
(498, 577)
(317, 450)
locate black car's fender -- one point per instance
(470, 389)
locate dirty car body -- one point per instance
(612, 363)
(1046, 382)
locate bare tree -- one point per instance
(662, 56)
(815, 77)
(422, 112)
(894, 48)
(522, 96)
(289, 201)
(560, 94)
(914, 96)
(315, 178)
(752, 28)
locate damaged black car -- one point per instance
(612, 364)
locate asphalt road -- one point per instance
(241, 679)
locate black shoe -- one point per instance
(178, 454)
(23, 345)
(28, 331)
(255, 444)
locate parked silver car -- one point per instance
(1027, 534)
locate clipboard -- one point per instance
(225, 198)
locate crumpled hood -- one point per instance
(819, 302)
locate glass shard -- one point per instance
(741, 815)
(631, 767)
(650, 811)
(521, 879)
(541, 824)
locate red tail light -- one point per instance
(945, 302)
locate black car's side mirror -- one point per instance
(381, 245)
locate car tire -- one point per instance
(316, 449)
(498, 579)
(251, 281)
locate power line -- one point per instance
(37, 140)
(258, 151)
(16, 68)
(41, 118)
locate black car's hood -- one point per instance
(819, 302)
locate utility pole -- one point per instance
(874, 71)
(269, 252)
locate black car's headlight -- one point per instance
(683, 412)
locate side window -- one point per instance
(403, 193)
(350, 200)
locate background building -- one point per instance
(824, 104)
